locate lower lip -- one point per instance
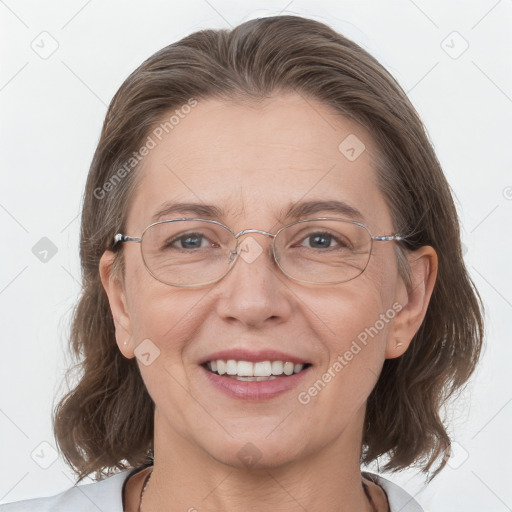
(254, 390)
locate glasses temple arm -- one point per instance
(123, 238)
(386, 238)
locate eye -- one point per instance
(188, 241)
(324, 240)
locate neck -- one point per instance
(186, 478)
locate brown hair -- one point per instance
(106, 421)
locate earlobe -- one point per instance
(414, 300)
(114, 288)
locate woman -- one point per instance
(273, 286)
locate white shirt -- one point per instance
(106, 496)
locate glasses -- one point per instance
(197, 252)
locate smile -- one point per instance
(253, 371)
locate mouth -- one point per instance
(250, 371)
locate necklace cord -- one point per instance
(148, 477)
(368, 496)
(146, 482)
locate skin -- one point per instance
(254, 160)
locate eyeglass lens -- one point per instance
(193, 252)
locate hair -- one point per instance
(105, 423)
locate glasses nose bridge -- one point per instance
(245, 231)
(248, 231)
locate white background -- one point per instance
(52, 110)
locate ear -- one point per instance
(115, 290)
(413, 300)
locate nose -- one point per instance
(255, 291)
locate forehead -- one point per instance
(255, 161)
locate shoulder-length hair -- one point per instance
(105, 423)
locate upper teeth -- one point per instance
(249, 369)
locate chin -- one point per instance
(256, 451)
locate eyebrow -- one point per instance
(196, 209)
(308, 208)
(293, 211)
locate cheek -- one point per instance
(164, 323)
(354, 322)
(351, 307)
(168, 317)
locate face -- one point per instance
(254, 162)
